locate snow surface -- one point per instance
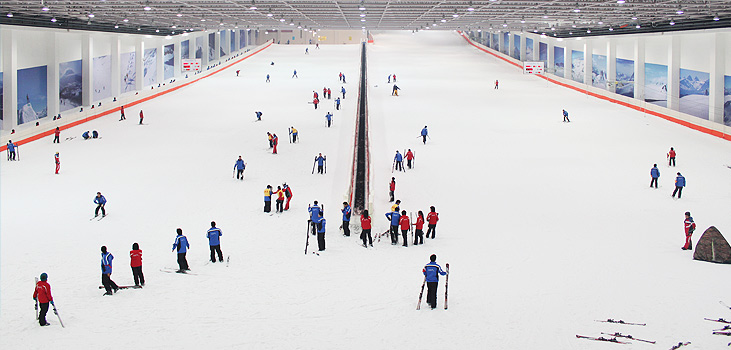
(547, 226)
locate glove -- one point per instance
(36, 299)
(52, 303)
(447, 265)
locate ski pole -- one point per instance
(307, 233)
(418, 305)
(313, 166)
(446, 287)
(36, 300)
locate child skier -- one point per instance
(135, 262)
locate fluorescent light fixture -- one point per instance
(715, 18)
(443, 20)
(588, 31)
(44, 8)
(362, 14)
(270, 13)
(620, 1)
(634, 17)
(638, 26)
(125, 20)
(174, 26)
(522, 20)
(53, 19)
(362, 19)
(116, 26)
(672, 23)
(203, 19)
(253, 5)
(179, 15)
(157, 30)
(91, 15)
(611, 29)
(147, 8)
(281, 19)
(680, 11)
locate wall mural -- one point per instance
(149, 67)
(726, 99)
(242, 39)
(199, 47)
(69, 85)
(211, 46)
(168, 63)
(127, 71)
(599, 71)
(529, 49)
(625, 77)
(656, 84)
(102, 68)
(558, 60)
(577, 66)
(506, 43)
(516, 46)
(494, 41)
(543, 53)
(233, 41)
(185, 49)
(1, 101)
(222, 46)
(32, 94)
(694, 90)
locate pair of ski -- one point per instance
(17, 153)
(98, 218)
(614, 339)
(125, 287)
(446, 290)
(55, 311)
(621, 322)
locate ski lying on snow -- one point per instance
(725, 328)
(125, 287)
(610, 340)
(169, 270)
(617, 334)
(680, 345)
(722, 333)
(621, 322)
(718, 320)
(724, 304)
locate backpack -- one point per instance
(287, 192)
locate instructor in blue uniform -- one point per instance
(181, 243)
(431, 271)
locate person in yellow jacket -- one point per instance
(268, 199)
(271, 140)
(396, 205)
(280, 200)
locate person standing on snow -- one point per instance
(293, 132)
(424, 134)
(671, 157)
(294, 75)
(337, 104)
(269, 137)
(419, 233)
(655, 174)
(214, 242)
(240, 166)
(100, 203)
(321, 233)
(405, 224)
(275, 142)
(135, 262)
(288, 194)
(394, 217)
(268, 199)
(279, 208)
(566, 116)
(399, 161)
(315, 216)
(42, 295)
(392, 188)
(394, 78)
(395, 90)
(329, 118)
(689, 229)
(432, 219)
(496, 84)
(679, 184)
(389, 79)
(57, 135)
(342, 88)
(107, 282)
(142, 116)
(346, 219)
(320, 163)
(431, 272)
(409, 158)
(340, 76)
(121, 111)
(181, 244)
(258, 115)
(267, 78)
(396, 205)
(11, 150)
(58, 162)
(329, 94)
(365, 225)
(315, 102)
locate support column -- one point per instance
(177, 55)
(204, 55)
(217, 46)
(588, 62)
(511, 44)
(523, 45)
(567, 69)
(674, 73)
(139, 63)
(10, 78)
(639, 57)
(87, 84)
(536, 49)
(612, 63)
(160, 63)
(718, 63)
(114, 61)
(551, 62)
(237, 39)
(52, 76)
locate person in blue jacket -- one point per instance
(100, 202)
(679, 184)
(268, 199)
(346, 218)
(214, 241)
(655, 174)
(85, 135)
(399, 159)
(566, 116)
(258, 115)
(431, 272)
(329, 118)
(181, 244)
(342, 90)
(394, 216)
(240, 166)
(11, 150)
(314, 211)
(337, 103)
(267, 78)
(321, 233)
(320, 162)
(94, 134)
(424, 134)
(107, 282)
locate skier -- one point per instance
(317, 46)
(405, 224)
(214, 242)
(431, 272)
(11, 150)
(294, 75)
(329, 118)
(320, 163)
(279, 208)
(135, 261)
(240, 166)
(258, 115)
(293, 132)
(329, 94)
(181, 244)
(100, 202)
(141, 117)
(315, 102)
(389, 79)
(395, 90)
(432, 219)
(679, 184)
(58, 163)
(324, 92)
(394, 78)
(94, 134)
(85, 135)
(424, 134)
(346, 219)
(566, 116)
(342, 88)
(288, 194)
(107, 282)
(121, 112)
(237, 72)
(269, 137)
(392, 188)
(344, 82)
(365, 225)
(57, 135)
(496, 84)
(419, 232)
(267, 78)
(394, 217)
(275, 142)
(340, 76)
(671, 157)
(42, 295)
(409, 158)
(654, 173)
(307, 51)
(337, 104)
(689, 229)
(321, 233)
(314, 211)
(396, 205)
(268, 199)
(399, 159)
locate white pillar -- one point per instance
(10, 78)
(177, 55)
(139, 63)
(204, 55)
(237, 39)
(52, 77)
(217, 46)
(523, 45)
(674, 73)
(551, 64)
(611, 63)
(567, 69)
(511, 44)
(639, 57)
(161, 42)
(588, 61)
(718, 62)
(116, 69)
(87, 83)
(536, 49)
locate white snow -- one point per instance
(695, 105)
(547, 226)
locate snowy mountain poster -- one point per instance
(242, 39)
(726, 99)
(199, 47)
(149, 67)
(168, 67)
(558, 60)
(506, 44)
(599, 71)
(516, 47)
(233, 41)
(69, 85)
(577, 66)
(694, 89)
(529, 49)
(222, 46)
(625, 77)
(495, 41)
(185, 49)
(543, 53)
(128, 71)
(102, 68)
(656, 84)
(32, 94)
(211, 47)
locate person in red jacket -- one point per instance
(288, 194)
(279, 208)
(689, 229)
(419, 233)
(409, 158)
(58, 162)
(121, 111)
(432, 219)
(329, 94)
(275, 142)
(365, 225)
(405, 224)
(135, 261)
(671, 157)
(141, 117)
(42, 295)
(315, 102)
(392, 188)
(57, 135)
(324, 92)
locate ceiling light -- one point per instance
(203, 19)
(588, 31)
(362, 19)
(505, 24)
(157, 30)
(290, 23)
(147, 8)
(522, 20)
(611, 29)
(571, 33)
(469, 7)
(672, 23)
(44, 8)
(220, 24)
(715, 18)
(573, 25)
(443, 20)
(362, 15)
(455, 15)
(91, 15)
(620, 1)
(577, 9)
(174, 26)
(179, 15)
(10, 14)
(545, 14)
(362, 6)
(637, 26)
(680, 11)
(434, 24)
(116, 26)
(362, 27)
(536, 31)
(253, 5)
(600, 21)
(138, 28)
(281, 19)
(125, 20)
(270, 13)
(53, 19)
(634, 17)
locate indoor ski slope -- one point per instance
(547, 226)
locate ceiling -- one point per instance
(554, 17)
